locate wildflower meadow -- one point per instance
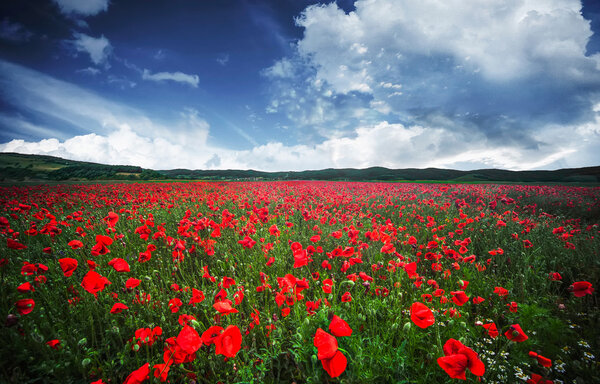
(299, 282)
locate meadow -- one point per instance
(304, 282)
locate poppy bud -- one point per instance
(407, 326)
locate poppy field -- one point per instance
(304, 282)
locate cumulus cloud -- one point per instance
(82, 7)
(98, 48)
(114, 133)
(178, 77)
(500, 71)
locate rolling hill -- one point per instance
(20, 167)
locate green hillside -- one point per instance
(19, 167)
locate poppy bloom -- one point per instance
(189, 340)
(339, 327)
(458, 358)
(209, 336)
(119, 265)
(224, 307)
(544, 361)
(101, 247)
(139, 375)
(582, 288)
(112, 219)
(421, 315)
(229, 342)
(197, 297)
(93, 282)
(68, 266)
(54, 344)
(174, 304)
(132, 283)
(336, 365)
(346, 297)
(500, 291)
(326, 344)
(118, 308)
(538, 379)
(515, 333)
(75, 244)
(491, 329)
(513, 306)
(161, 371)
(25, 287)
(13, 244)
(25, 306)
(459, 297)
(555, 276)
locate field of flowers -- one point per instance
(299, 282)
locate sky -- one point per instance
(298, 84)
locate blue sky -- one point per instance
(298, 84)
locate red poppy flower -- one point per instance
(515, 333)
(132, 283)
(513, 306)
(189, 340)
(209, 336)
(336, 365)
(25, 287)
(25, 306)
(174, 304)
(544, 361)
(101, 247)
(339, 327)
(326, 344)
(478, 300)
(13, 244)
(197, 297)
(459, 297)
(458, 358)
(224, 307)
(139, 375)
(112, 219)
(421, 315)
(68, 266)
(119, 265)
(161, 371)
(500, 291)
(229, 342)
(93, 282)
(118, 308)
(555, 276)
(227, 282)
(538, 379)
(346, 297)
(75, 244)
(582, 288)
(491, 329)
(54, 344)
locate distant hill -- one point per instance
(19, 167)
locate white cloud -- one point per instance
(98, 48)
(179, 77)
(82, 7)
(223, 59)
(114, 133)
(503, 40)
